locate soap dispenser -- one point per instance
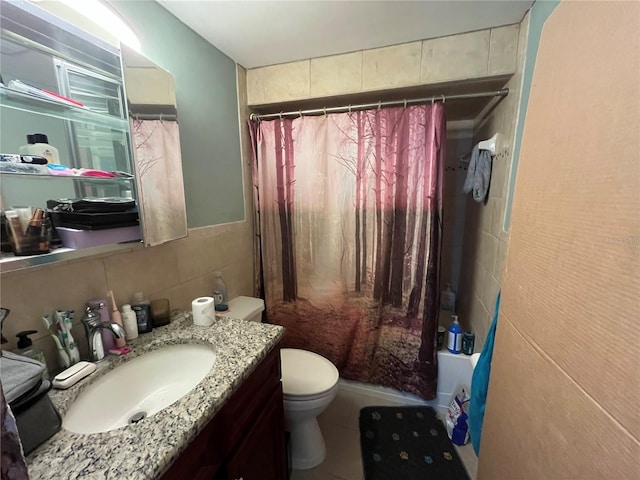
(455, 336)
(26, 349)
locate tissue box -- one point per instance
(73, 238)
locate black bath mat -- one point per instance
(407, 443)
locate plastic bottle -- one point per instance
(448, 299)
(142, 308)
(130, 322)
(455, 336)
(220, 293)
(26, 349)
(38, 145)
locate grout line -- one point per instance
(546, 356)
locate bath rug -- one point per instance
(407, 443)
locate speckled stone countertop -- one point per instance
(146, 450)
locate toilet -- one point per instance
(309, 385)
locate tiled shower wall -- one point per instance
(485, 241)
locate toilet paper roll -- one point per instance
(204, 313)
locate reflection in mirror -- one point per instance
(62, 103)
(151, 101)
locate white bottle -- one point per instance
(38, 145)
(448, 299)
(130, 322)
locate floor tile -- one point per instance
(339, 425)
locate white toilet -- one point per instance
(309, 385)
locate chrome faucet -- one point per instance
(94, 326)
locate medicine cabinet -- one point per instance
(91, 132)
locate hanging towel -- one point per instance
(479, 174)
(480, 384)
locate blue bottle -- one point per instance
(455, 336)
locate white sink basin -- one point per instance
(139, 388)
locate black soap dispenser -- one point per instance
(26, 349)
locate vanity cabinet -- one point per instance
(245, 439)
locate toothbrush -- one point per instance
(67, 338)
(73, 349)
(62, 353)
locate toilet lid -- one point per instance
(306, 373)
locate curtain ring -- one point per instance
(324, 110)
(405, 103)
(160, 118)
(444, 99)
(300, 112)
(349, 108)
(280, 115)
(379, 104)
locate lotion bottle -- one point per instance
(130, 322)
(455, 336)
(38, 145)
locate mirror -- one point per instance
(62, 82)
(155, 137)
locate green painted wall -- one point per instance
(207, 110)
(540, 11)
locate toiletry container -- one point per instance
(130, 322)
(160, 312)
(26, 349)
(38, 145)
(220, 293)
(455, 336)
(142, 308)
(448, 299)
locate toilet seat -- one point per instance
(306, 375)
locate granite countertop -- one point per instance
(146, 450)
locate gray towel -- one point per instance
(479, 174)
(19, 374)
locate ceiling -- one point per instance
(258, 33)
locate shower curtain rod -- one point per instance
(363, 106)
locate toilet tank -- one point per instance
(246, 308)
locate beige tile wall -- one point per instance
(180, 271)
(485, 241)
(466, 56)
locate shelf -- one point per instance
(32, 104)
(61, 178)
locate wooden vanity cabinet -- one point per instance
(245, 439)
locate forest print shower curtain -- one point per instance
(349, 219)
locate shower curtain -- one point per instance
(349, 218)
(157, 157)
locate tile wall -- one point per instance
(485, 241)
(480, 54)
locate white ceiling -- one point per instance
(258, 33)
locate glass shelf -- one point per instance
(32, 104)
(60, 178)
